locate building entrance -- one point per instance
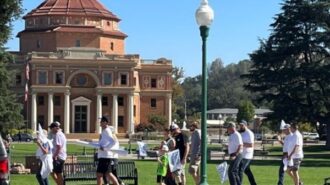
(80, 119)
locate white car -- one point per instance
(314, 136)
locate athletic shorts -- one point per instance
(58, 165)
(106, 165)
(194, 165)
(296, 164)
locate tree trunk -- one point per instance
(327, 145)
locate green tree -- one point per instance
(245, 111)
(177, 94)
(291, 68)
(10, 110)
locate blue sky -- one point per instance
(167, 28)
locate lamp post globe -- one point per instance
(204, 17)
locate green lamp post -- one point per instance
(204, 18)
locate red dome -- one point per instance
(88, 8)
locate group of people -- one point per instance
(241, 150)
(175, 139)
(52, 154)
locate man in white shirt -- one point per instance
(247, 154)
(235, 146)
(59, 152)
(287, 144)
(296, 154)
(106, 164)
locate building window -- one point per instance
(41, 100)
(41, 120)
(134, 110)
(59, 77)
(153, 103)
(38, 44)
(42, 77)
(108, 23)
(120, 101)
(104, 100)
(57, 118)
(120, 121)
(123, 79)
(153, 83)
(77, 43)
(112, 46)
(107, 78)
(57, 100)
(18, 79)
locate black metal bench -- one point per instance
(327, 181)
(86, 171)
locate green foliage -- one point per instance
(291, 68)
(10, 116)
(177, 94)
(10, 10)
(306, 127)
(157, 119)
(245, 111)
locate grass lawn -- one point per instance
(315, 167)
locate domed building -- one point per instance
(72, 54)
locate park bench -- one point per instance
(327, 181)
(86, 171)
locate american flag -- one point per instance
(27, 71)
(26, 95)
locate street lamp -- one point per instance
(204, 17)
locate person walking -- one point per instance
(296, 154)
(106, 165)
(247, 154)
(44, 156)
(162, 165)
(181, 143)
(286, 145)
(59, 152)
(195, 152)
(235, 145)
(170, 143)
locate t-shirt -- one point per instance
(235, 139)
(289, 143)
(299, 141)
(195, 144)
(162, 167)
(60, 140)
(247, 137)
(180, 141)
(106, 141)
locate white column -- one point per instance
(169, 105)
(115, 112)
(98, 112)
(34, 112)
(50, 108)
(67, 112)
(130, 113)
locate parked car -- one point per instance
(4, 164)
(23, 137)
(314, 136)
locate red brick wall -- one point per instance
(146, 109)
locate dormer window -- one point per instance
(38, 44)
(77, 43)
(112, 46)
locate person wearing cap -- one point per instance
(287, 144)
(162, 165)
(106, 165)
(235, 145)
(181, 143)
(296, 154)
(59, 152)
(247, 154)
(195, 152)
